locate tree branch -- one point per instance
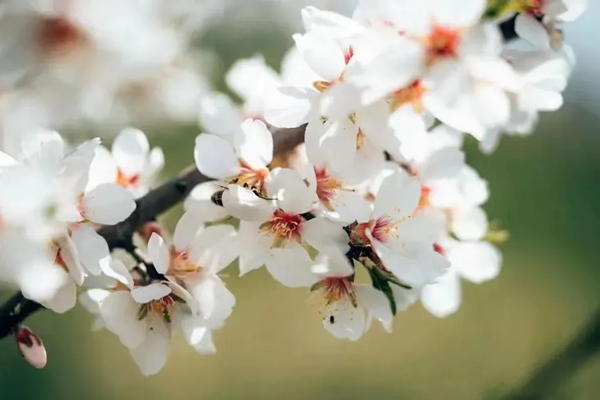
(548, 376)
(156, 202)
(159, 200)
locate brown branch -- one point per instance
(159, 200)
(155, 203)
(557, 369)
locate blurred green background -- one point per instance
(545, 191)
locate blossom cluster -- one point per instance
(377, 210)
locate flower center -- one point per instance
(442, 43)
(160, 308)
(326, 187)
(180, 266)
(411, 94)
(381, 229)
(335, 289)
(424, 201)
(250, 179)
(58, 36)
(125, 180)
(439, 249)
(535, 7)
(283, 228)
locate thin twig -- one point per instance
(155, 203)
(556, 370)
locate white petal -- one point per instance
(332, 263)
(245, 205)
(102, 170)
(65, 298)
(290, 107)
(215, 157)
(530, 29)
(91, 247)
(218, 115)
(120, 314)
(6, 160)
(92, 299)
(108, 204)
(186, 230)
(254, 247)
(414, 265)
(477, 262)
(254, 144)
(199, 202)
(154, 291)
(130, 150)
(329, 24)
(215, 300)
(70, 256)
(42, 146)
(376, 304)
(323, 55)
(443, 298)
(320, 233)
(151, 355)
(290, 191)
(445, 163)
(117, 270)
(470, 223)
(344, 321)
(216, 247)
(398, 196)
(291, 266)
(338, 144)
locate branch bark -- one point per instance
(156, 202)
(557, 369)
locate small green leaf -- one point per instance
(381, 283)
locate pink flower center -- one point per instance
(125, 180)
(323, 86)
(381, 229)
(439, 249)
(411, 94)
(326, 187)
(536, 7)
(58, 36)
(442, 43)
(335, 289)
(283, 228)
(251, 179)
(424, 202)
(180, 266)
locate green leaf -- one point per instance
(381, 283)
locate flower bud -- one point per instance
(31, 347)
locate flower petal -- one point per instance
(398, 196)
(91, 247)
(153, 291)
(321, 233)
(290, 191)
(291, 266)
(130, 151)
(443, 298)
(254, 144)
(108, 204)
(215, 157)
(120, 314)
(151, 355)
(245, 205)
(477, 262)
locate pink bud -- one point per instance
(149, 228)
(31, 347)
